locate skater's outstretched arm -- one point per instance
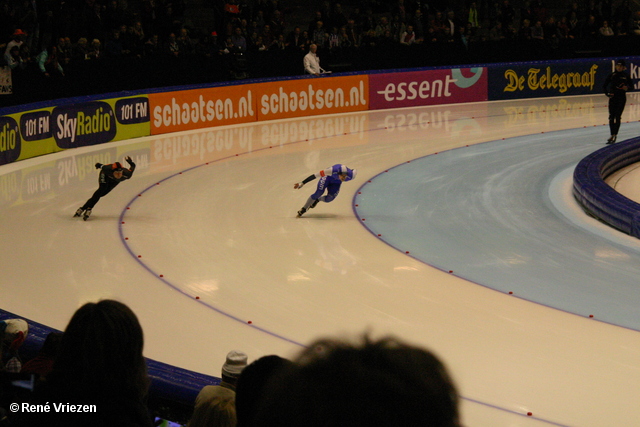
(333, 170)
(132, 167)
(299, 185)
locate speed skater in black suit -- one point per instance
(615, 87)
(110, 176)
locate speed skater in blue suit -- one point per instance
(330, 181)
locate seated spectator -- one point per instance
(295, 40)
(387, 41)
(238, 40)
(252, 382)
(537, 32)
(48, 63)
(15, 332)
(368, 39)
(14, 60)
(318, 34)
(279, 43)
(605, 30)
(152, 46)
(18, 39)
(524, 33)
(42, 364)
(497, 33)
(95, 50)
(219, 412)
(376, 383)
(590, 29)
(438, 24)
(462, 38)
(136, 38)
(267, 35)
(574, 25)
(99, 363)
(636, 24)
(185, 42)
(621, 29)
(64, 51)
(563, 30)
(213, 401)
(259, 45)
(348, 34)
(382, 27)
(408, 37)
(80, 50)
(333, 39)
(113, 46)
(172, 48)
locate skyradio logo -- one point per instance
(430, 87)
(83, 124)
(10, 142)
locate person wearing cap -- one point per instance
(213, 401)
(17, 40)
(110, 176)
(331, 179)
(616, 86)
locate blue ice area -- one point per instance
(489, 213)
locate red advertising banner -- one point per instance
(428, 87)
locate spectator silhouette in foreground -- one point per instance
(99, 369)
(252, 382)
(377, 383)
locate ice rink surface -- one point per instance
(203, 243)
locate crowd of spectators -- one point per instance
(147, 43)
(97, 366)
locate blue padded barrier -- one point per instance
(599, 199)
(168, 383)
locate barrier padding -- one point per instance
(168, 383)
(599, 199)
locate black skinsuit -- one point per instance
(613, 87)
(108, 182)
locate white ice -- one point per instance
(213, 213)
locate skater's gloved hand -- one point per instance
(98, 165)
(298, 185)
(128, 159)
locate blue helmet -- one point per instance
(351, 174)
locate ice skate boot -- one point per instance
(612, 140)
(313, 205)
(86, 214)
(78, 212)
(301, 212)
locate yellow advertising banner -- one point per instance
(47, 130)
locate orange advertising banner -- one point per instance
(202, 108)
(310, 97)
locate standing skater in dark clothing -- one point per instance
(331, 179)
(615, 87)
(110, 176)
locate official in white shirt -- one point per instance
(312, 62)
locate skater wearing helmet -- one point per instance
(110, 176)
(616, 86)
(330, 180)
